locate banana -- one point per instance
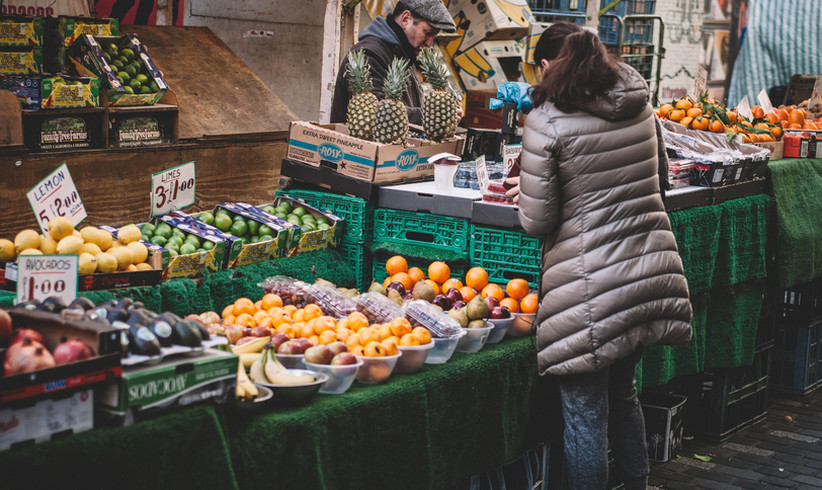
(251, 346)
(285, 378)
(271, 366)
(256, 373)
(248, 359)
(245, 388)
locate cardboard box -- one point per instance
(25, 88)
(331, 146)
(176, 382)
(664, 417)
(777, 148)
(44, 131)
(535, 31)
(63, 92)
(528, 72)
(194, 264)
(69, 29)
(285, 242)
(316, 239)
(490, 63)
(230, 247)
(492, 19)
(18, 30)
(802, 143)
(21, 60)
(87, 58)
(145, 129)
(55, 416)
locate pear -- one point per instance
(459, 315)
(477, 324)
(375, 286)
(395, 296)
(423, 290)
(477, 308)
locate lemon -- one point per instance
(106, 263)
(139, 250)
(105, 240)
(115, 244)
(128, 234)
(60, 227)
(144, 266)
(132, 268)
(77, 234)
(26, 239)
(91, 234)
(48, 245)
(69, 245)
(91, 248)
(6, 249)
(123, 255)
(30, 251)
(87, 263)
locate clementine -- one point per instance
(416, 274)
(439, 271)
(396, 264)
(511, 304)
(468, 293)
(270, 300)
(529, 303)
(493, 290)
(400, 326)
(434, 286)
(476, 277)
(409, 339)
(451, 283)
(243, 305)
(404, 279)
(517, 288)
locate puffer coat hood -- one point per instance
(612, 278)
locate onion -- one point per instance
(72, 351)
(27, 356)
(24, 333)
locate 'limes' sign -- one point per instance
(172, 189)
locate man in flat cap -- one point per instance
(410, 27)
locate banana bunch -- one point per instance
(252, 346)
(267, 369)
(245, 388)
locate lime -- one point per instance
(121, 80)
(254, 239)
(173, 253)
(187, 248)
(176, 240)
(107, 57)
(309, 227)
(266, 238)
(253, 226)
(117, 64)
(122, 75)
(178, 232)
(158, 240)
(130, 70)
(322, 219)
(207, 245)
(206, 217)
(285, 204)
(281, 214)
(128, 53)
(127, 89)
(294, 220)
(145, 238)
(141, 78)
(172, 246)
(269, 209)
(243, 240)
(163, 227)
(194, 240)
(112, 49)
(153, 86)
(222, 221)
(239, 228)
(323, 226)
(299, 211)
(145, 90)
(307, 218)
(147, 229)
(265, 230)
(135, 85)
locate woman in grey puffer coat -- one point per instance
(612, 279)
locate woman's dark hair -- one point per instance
(581, 67)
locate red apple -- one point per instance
(234, 333)
(442, 301)
(290, 347)
(458, 304)
(454, 295)
(277, 339)
(26, 333)
(319, 354)
(5, 327)
(304, 344)
(344, 358)
(71, 351)
(491, 302)
(260, 331)
(499, 312)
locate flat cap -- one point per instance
(433, 12)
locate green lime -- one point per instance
(299, 211)
(253, 226)
(322, 219)
(163, 228)
(172, 246)
(266, 238)
(153, 86)
(175, 240)
(128, 53)
(122, 81)
(124, 75)
(145, 89)
(323, 226)
(135, 85)
(147, 229)
(294, 220)
(243, 240)
(239, 228)
(206, 217)
(194, 240)
(158, 240)
(281, 214)
(208, 245)
(254, 239)
(173, 253)
(265, 230)
(112, 49)
(141, 78)
(178, 232)
(107, 57)
(187, 248)
(145, 238)
(269, 209)
(285, 204)
(130, 70)
(307, 218)
(222, 221)
(127, 89)
(117, 64)
(309, 227)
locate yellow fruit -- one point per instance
(60, 227)
(106, 263)
(6, 249)
(144, 266)
(48, 245)
(26, 239)
(87, 263)
(29, 251)
(131, 268)
(105, 240)
(128, 234)
(77, 234)
(123, 255)
(139, 250)
(114, 244)
(69, 245)
(91, 248)
(91, 234)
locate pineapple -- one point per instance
(391, 119)
(363, 103)
(439, 110)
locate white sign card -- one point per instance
(764, 101)
(744, 108)
(42, 276)
(482, 174)
(816, 94)
(172, 189)
(510, 153)
(56, 195)
(700, 81)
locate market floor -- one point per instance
(782, 451)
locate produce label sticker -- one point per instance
(482, 173)
(700, 81)
(56, 195)
(744, 108)
(42, 276)
(172, 189)
(816, 94)
(764, 101)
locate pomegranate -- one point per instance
(72, 351)
(24, 333)
(26, 356)
(5, 327)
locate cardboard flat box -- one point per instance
(69, 29)
(777, 148)
(490, 63)
(492, 19)
(316, 239)
(535, 31)
(65, 92)
(16, 30)
(528, 72)
(21, 60)
(427, 197)
(38, 422)
(331, 145)
(285, 242)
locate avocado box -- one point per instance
(332, 146)
(90, 55)
(311, 238)
(21, 60)
(69, 29)
(231, 245)
(16, 30)
(175, 382)
(285, 239)
(63, 92)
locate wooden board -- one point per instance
(217, 93)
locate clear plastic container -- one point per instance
(376, 370)
(500, 329)
(431, 317)
(340, 377)
(522, 325)
(443, 349)
(474, 339)
(291, 361)
(331, 301)
(290, 290)
(412, 357)
(377, 307)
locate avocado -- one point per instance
(185, 334)
(143, 342)
(162, 330)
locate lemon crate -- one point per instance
(444, 232)
(506, 254)
(797, 369)
(358, 258)
(357, 212)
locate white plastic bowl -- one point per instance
(375, 370)
(522, 325)
(291, 361)
(412, 357)
(500, 329)
(340, 377)
(443, 349)
(474, 339)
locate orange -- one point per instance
(368, 334)
(228, 311)
(298, 315)
(511, 304)
(529, 303)
(314, 339)
(809, 125)
(258, 305)
(305, 330)
(386, 282)
(400, 326)
(451, 283)
(404, 279)
(781, 114)
(409, 339)
(384, 331)
(422, 335)
(374, 349)
(342, 324)
(684, 103)
(796, 116)
(439, 271)
(290, 309)
(717, 126)
(259, 315)
(700, 123)
(343, 333)
(328, 336)
(243, 305)
(476, 277)
(772, 118)
(693, 112)
(416, 274)
(230, 319)
(311, 310)
(665, 109)
(396, 264)
(357, 350)
(686, 121)
(352, 341)
(286, 329)
(467, 293)
(794, 126)
(757, 112)
(357, 320)
(732, 117)
(270, 300)
(434, 286)
(676, 115)
(245, 320)
(493, 290)
(517, 288)
(390, 345)
(322, 324)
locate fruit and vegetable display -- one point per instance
(298, 215)
(248, 230)
(174, 239)
(129, 69)
(98, 251)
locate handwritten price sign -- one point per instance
(41, 276)
(172, 189)
(55, 196)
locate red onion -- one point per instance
(27, 356)
(72, 351)
(23, 333)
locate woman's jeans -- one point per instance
(596, 408)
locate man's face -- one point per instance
(420, 33)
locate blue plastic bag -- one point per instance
(513, 92)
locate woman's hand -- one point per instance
(513, 191)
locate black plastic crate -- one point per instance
(799, 304)
(797, 363)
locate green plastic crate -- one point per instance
(445, 232)
(358, 257)
(357, 212)
(506, 254)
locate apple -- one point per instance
(491, 302)
(319, 354)
(338, 347)
(5, 327)
(398, 286)
(244, 340)
(209, 317)
(260, 331)
(304, 344)
(277, 339)
(290, 347)
(344, 358)
(442, 301)
(458, 304)
(454, 295)
(24, 333)
(234, 333)
(499, 312)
